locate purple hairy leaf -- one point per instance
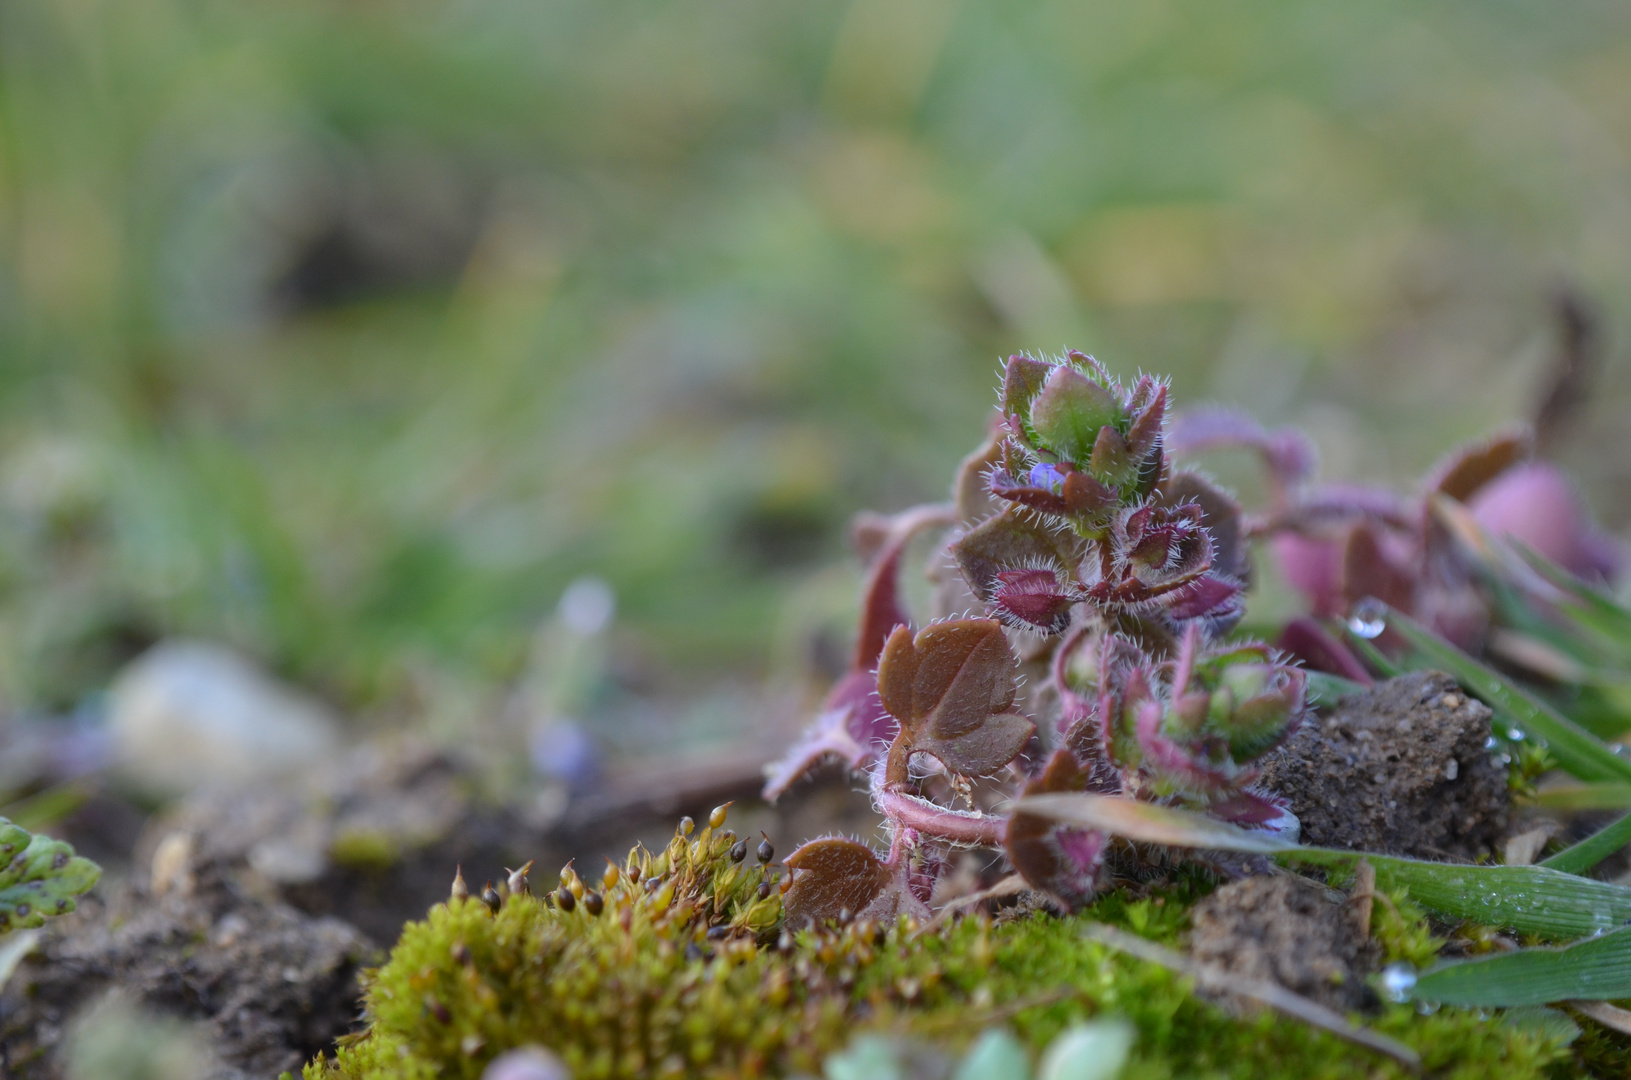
(1221, 515)
(951, 686)
(1152, 550)
(1340, 544)
(1059, 859)
(1287, 454)
(1055, 489)
(1021, 568)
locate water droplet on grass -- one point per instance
(1398, 980)
(1368, 619)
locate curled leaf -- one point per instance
(1057, 858)
(1012, 541)
(835, 876)
(1468, 468)
(951, 686)
(1034, 599)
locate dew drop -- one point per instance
(1369, 618)
(1398, 980)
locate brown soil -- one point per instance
(1401, 769)
(272, 986)
(1286, 930)
(375, 837)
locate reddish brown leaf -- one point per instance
(952, 688)
(1021, 381)
(1469, 468)
(1368, 569)
(1009, 541)
(971, 490)
(1222, 517)
(1056, 858)
(835, 875)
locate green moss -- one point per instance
(365, 849)
(686, 971)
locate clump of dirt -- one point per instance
(1401, 769)
(1286, 930)
(271, 985)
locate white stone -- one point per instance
(192, 714)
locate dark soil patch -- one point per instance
(1285, 930)
(375, 836)
(272, 985)
(1401, 769)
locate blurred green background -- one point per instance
(351, 333)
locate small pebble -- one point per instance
(527, 1063)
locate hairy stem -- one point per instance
(924, 817)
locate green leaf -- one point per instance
(1598, 969)
(996, 1055)
(1591, 609)
(1373, 656)
(1070, 412)
(1579, 858)
(1609, 796)
(39, 878)
(869, 1057)
(1576, 749)
(13, 947)
(1096, 1050)
(1528, 899)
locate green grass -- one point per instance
(664, 292)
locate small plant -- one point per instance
(1078, 704)
(1114, 575)
(39, 877)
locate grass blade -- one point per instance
(1610, 796)
(1373, 656)
(1576, 749)
(1150, 824)
(1579, 858)
(1528, 899)
(1591, 606)
(1597, 969)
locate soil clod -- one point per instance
(1401, 769)
(1286, 930)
